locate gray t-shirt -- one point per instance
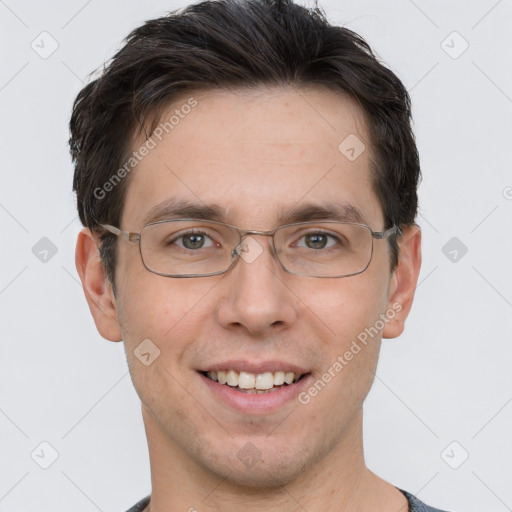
(415, 505)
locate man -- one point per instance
(246, 175)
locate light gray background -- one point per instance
(447, 378)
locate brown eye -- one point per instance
(316, 240)
(194, 241)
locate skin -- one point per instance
(255, 152)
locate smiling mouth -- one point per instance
(254, 383)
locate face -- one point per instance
(256, 156)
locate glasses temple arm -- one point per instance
(130, 237)
(394, 230)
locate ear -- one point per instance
(97, 288)
(404, 280)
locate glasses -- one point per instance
(200, 248)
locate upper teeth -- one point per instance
(246, 380)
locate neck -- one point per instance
(338, 481)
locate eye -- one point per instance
(318, 240)
(193, 240)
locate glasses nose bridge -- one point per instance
(247, 232)
(244, 233)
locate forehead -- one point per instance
(254, 155)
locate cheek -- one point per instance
(348, 312)
(347, 373)
(159, 320)
(344, 307)
(168, 312)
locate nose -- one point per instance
(257, 298)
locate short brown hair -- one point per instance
(229, 44)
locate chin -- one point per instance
(268, 469)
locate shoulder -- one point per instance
(140, 506)
(415, 505)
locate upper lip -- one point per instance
(255, 367)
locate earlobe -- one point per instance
(97, 289)
(404, 281)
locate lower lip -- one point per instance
(253, 403)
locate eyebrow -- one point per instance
(174, 208)
(178, 208)
(341, 212)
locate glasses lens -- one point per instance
(187, 247)
(319, 249)
(324, 249)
